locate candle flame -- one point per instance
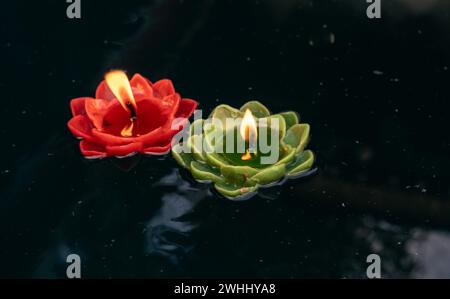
(247, 156)
(248, 126)
(127, 131)
(119, 84)
(248, 130)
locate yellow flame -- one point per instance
(248, 126)
(127, 131)
(118, 83)
(247, 156)
(247, 130)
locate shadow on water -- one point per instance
(375, 94)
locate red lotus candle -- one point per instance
(128, 117)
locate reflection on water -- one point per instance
(430, 251)
(171, 226)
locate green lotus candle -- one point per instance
(240, 150)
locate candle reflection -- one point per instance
(168, 232)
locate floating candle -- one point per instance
(235, 175)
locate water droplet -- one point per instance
(377, 72)
(332, 38)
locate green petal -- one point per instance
(270, 174)
(288, 154)
(184, 159)
(215, 159)
(238, 174)
(230, 190)
(223, 112)
(257, 109)
(196, 144)
(297, 136)
(303, 163)
(204, 172)
(291, 118)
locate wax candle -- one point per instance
(277, 150)
(129, 117)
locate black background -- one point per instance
(375, 93)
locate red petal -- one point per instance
(115, 118)
(150, 115)
(108, 139)
(141, 86)
(124, 150)
(169, 105)
(186, 108)
(178, 124)
(163, 88)
(81, 127)
(103, 92)
(151, 138)
(157, 150)
(91, 151)
(96, 110)
(77, 106)
(163, 137)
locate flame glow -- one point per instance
(248, 130)
(118, 83)
(247, 156)
(248, 126)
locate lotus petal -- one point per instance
(222, 112)
(184, 159)
(238, 174)
(291, 118)
(257, 109)
(231, 190)
(77, 106)
(297, 136)
(270, 174)
(205, 172)
(124, 150)
(142, 88)
(303, 163)
(91, 150)
(163, 88)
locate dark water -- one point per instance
(375, 92)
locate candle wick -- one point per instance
(133, 116)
